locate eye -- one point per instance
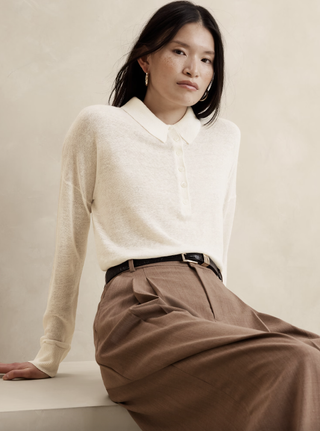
(178, 51)
(207, 60)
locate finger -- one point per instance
(5, 368)
(25, 373)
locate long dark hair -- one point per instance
(159, 31)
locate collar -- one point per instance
(188, 127)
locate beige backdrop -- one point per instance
(59, 56)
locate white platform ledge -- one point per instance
(74, 400)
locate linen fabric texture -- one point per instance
(151, 190)
(181, 352)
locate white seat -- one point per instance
(75, 400)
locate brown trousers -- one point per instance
(182, 353)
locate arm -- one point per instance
(229, 206)
(76, 196)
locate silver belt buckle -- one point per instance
(206, 260)
(187, 260)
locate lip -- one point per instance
(188, 84)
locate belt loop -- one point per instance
(131, 265)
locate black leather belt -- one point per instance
(199, 258)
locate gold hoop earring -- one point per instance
(146, 79)
(204, 97)
(206, 93)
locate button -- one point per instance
(184, 185)
(175, 135)
(181, 169)
(179, 152)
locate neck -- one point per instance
(166, 112)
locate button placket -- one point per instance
(182, 175)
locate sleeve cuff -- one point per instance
(50, 355)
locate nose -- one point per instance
(191, 68)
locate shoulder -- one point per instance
(98, 115)
(222, 127)
(223, 133)
(88, 124)
(228, 127)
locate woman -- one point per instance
(157, 170)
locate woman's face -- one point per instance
(181, 71)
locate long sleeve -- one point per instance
(229, 208)
(144, 184)
(76, 196)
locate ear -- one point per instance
(144, 63)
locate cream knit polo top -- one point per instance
(151, 189)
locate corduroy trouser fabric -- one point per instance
(182, 353)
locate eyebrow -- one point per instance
(178, 42)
